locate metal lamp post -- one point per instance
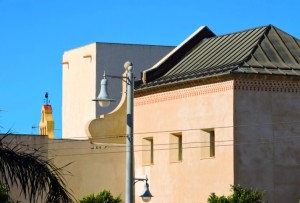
(104, 101)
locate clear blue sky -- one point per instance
(35, 33)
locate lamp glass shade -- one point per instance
(146, 195)
(104, 103)
(103, 98)
(146, 199)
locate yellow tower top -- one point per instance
(47, 123)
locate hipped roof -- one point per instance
(262, 50)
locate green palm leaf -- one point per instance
(35, 175)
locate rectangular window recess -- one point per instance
(148, 151)
(208, 143)
(176, 147)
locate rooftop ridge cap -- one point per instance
(246, 30)
(266, 31)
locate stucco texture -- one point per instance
(91, 168)
(266, 133)
(191, 112)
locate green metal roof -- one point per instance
(262, 50)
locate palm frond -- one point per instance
(33, 174)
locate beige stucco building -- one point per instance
(217, 111)
(225, 113)
(214, 111)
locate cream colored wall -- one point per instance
(267, 147)
(188, 111)
(92, 170)
(79, 87)
(82, 76)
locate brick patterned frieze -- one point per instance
(267, 85)
(184, 93)
(237, 85)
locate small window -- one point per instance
(208, 143)
(212, 143)
(175, 147)
(148, 156)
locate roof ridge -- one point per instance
(276, 28)
(247, 58)
(246, 30)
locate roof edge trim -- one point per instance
(176, 54)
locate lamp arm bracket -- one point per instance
(115, 76)
(140, 179)
(130, 140)
(123, 78)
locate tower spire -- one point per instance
(47, 122)
(47, 101)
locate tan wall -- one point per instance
(267, 147)
(92, 170)
(82, 76)
(191, 112)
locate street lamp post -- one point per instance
(129, 134)
(104, 101)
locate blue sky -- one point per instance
(34, 34)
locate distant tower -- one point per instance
(47, 123)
